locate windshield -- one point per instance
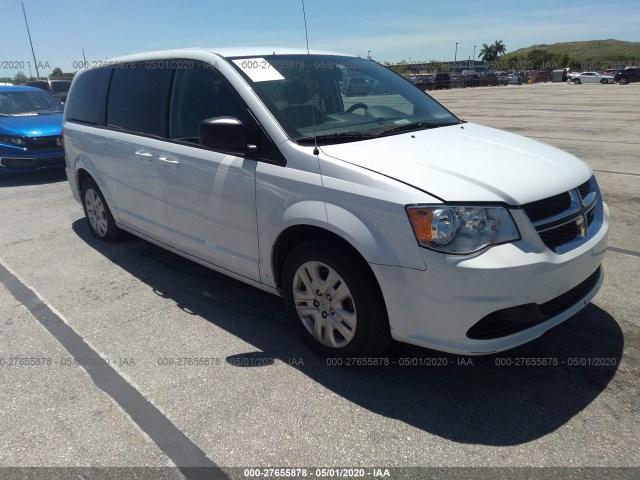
(335, 99)
(21, 103)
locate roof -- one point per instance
(224, 52)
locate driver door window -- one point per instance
(199, 93)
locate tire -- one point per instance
(623, 81)
(351, 324)
(604, 81)
(577, 81)
(96, 210)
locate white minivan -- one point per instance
(375, 216)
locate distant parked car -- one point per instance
(435, 82)
(472, 80)
(379, 88)
(441, 80)
(489, 80)
(425, 82)
(540, 77)
(356, 86)
(456, 80)
(514, 79)
(57, 88)
(30, 130)
(590, 77)
(612, 71)
(503, 79)
(628, 75)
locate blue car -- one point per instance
(30, 130)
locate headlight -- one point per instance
(14, 141)
(461, 230)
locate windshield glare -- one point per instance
(28, 103)
(338, 99)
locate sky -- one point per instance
(411, 30)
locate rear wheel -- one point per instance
(101, 222)
(623, 81)
(334, 302)
(604, 80)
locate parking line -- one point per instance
(624, 251)
(187, 456)
(617, 173)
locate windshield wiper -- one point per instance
(337, 137)
(415, 126)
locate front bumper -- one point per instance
(439, 307)
(14, 160)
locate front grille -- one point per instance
(559, 236)
(585, 188)
(566, 220)
(548, 207)
(41, 144)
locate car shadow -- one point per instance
(494, 400)
(33, 178)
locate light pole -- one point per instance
(455, 55)
(369, 54)
(30, 76)
(474, 57)
(35, 63)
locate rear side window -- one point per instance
(138, 99)
(42, 85)
(60, 86)
(86, 101)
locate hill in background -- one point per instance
(592, 54)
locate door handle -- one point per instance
(170, 163)
(146, 156)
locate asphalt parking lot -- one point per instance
(204, 371)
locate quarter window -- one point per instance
(86, 101)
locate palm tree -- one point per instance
(498, 48)
(487, 53)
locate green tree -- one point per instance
(499, 48)
(19, 78)
(57, 73)
(538, 57)
(563, 62)
(573, 63)
(487, 53)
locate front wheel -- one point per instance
(334, 302)
(604, 81)
(101, 222)
(623, 81)
(577, 81)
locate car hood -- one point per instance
(32, 125)
(467, 163)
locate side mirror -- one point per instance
(224, 134)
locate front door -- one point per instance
(208, 197)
